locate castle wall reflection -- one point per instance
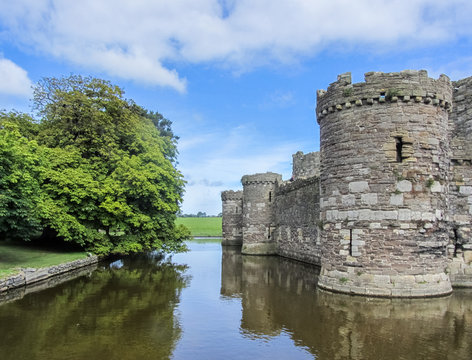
(280, 295)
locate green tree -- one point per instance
(111, 179)
(164, 126)
(19, 180)
(97, 170)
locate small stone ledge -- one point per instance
(304, 257)
(20, 292)
(389, 286)
(30, 276)
(259, 249)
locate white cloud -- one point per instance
(137, 40)
(14, 79)
(225, 159)
(217, 173)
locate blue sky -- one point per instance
(237, 78)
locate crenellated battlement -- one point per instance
(408, 86)
(231, 195)
(262, 178)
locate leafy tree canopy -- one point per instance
(101, 170)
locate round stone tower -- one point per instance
(383, 185)
(258, 213)
(232, 217)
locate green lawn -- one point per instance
(22, 255)
(204, 226)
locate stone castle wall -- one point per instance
(386, 205)
(460, 186)
(297, 214)
(305, 165)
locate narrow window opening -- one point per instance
(350, 242)
(268, 235)
(270, 196)
(457, 245)
(399, 147)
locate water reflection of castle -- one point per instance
(278, 295)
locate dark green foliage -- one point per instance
(19, 184)
(103, 170)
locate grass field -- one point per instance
(203, 226)
(18, 255)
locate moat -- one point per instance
(214, 303)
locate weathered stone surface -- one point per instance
(468, 257)
(258, 221)
(358, 186)
(232, 221)
(259, 249)
(396, 199)
(369, 199)
(297, 211)
(305, 165)
(404, 186)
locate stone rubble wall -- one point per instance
(297, 215)
(305, 165)
(18, 293)
(30, 276)
(460, 186)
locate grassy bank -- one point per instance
(22, 255)
(202, 226)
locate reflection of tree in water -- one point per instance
(119, 312)
(280, 295)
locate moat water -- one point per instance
(214, 303)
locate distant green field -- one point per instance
(202, 226)
(23, 255)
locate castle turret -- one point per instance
(384, 183)
(232, 217)
(258, 213)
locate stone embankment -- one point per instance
(30, 276)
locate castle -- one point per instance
(385, 206)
